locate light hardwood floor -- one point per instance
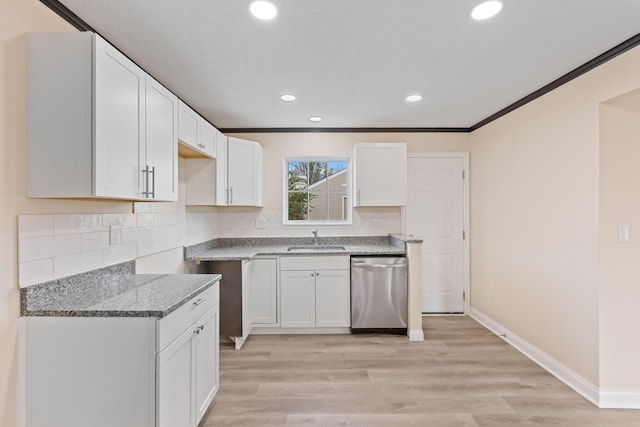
(461, 375)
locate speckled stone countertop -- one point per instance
(114, 292)
(248, 248)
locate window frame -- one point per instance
(285, 189)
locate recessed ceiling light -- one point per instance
(413, 98)
(287, 97)
(262, 9)
(486, 10)
(315, 119)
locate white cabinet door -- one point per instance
(119, 124)
(244, 172)
(187, 125)
(160, 161)
(206, 374)
(380, 171)
(207, 138)
(333, 298)
(298, 300)
(222, 191)
(263, 283)
(176, 387)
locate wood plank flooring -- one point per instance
(461, 375)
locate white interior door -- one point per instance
(435, 214)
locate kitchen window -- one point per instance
(317, 190)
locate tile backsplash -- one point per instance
(54, 246)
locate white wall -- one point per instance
(234, 222)
(535, 195)
(619, 274)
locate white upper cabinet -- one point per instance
(380, 174)
(161, 149)
(244, 172)
(195, 133)
(97, 125)
(233, 179)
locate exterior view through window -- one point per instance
(317, 191)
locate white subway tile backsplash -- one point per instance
(35, 249)
(67, 244)
(35, 226)
(122, 220)
(94, 241)
(117, 254)
(160, 245)
(33, 272)
(146, 219)
(71, 264)
(136, 235)
(70, 224)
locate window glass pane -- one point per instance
(317, 190)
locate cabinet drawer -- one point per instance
(170, 327)
(317, 262)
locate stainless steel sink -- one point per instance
(315, 248)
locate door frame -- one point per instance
(464, 155)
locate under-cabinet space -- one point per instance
(234, 178)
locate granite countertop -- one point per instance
(114, 294)
(245, 249)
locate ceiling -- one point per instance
(353, 62)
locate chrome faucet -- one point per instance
(316, 240)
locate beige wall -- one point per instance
(534, 218)
(619, 274)
(366, 221)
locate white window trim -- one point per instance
(285, 189)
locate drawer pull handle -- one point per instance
(199, 301)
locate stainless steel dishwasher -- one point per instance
(379, 294)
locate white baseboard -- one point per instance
(619, 400)
(416, 335)
(567, 376)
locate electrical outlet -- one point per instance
(261, 223)
(624, 232)
(115, 235)
(362, 222)
(376, 222)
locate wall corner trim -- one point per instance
(567, 376)
(611, 400)
(416, 335)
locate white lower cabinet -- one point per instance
(123, 371)
(315, 292)
(187, 373)
(298, 299)
(333, 298)
(263, 283)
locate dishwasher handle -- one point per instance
(362, 265)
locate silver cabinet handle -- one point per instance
(199, 301)
(153, 186)
(231, 196)
(145, 171)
